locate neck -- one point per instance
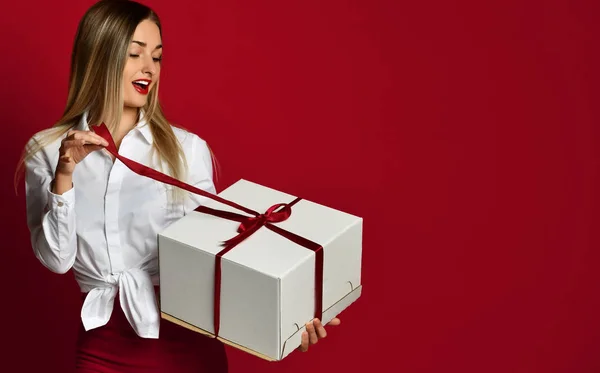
(128, 119)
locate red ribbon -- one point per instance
(248, 225)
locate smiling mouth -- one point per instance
(141, 86)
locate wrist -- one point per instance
(60, 172)
(63, 182)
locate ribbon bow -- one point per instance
(249, 225)
(270, 216)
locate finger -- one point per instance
(68, 138)
(321, 333)
(77, 142)
(334, 322)
(73, 143)
(71, 134)
(93, 148)
(312, 334)
(65, 159)
(90, 138)
(87, 136)
(304, 342)
(100, 138)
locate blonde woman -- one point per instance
(89, 213)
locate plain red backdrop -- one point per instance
(464, 132)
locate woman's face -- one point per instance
(142, 68)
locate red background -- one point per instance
(464, 133)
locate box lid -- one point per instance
(264, 251)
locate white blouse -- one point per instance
(105, 228)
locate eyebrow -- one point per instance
(145, 45)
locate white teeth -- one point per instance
(141, 82)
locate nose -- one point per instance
(149, 66)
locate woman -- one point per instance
(88, 213)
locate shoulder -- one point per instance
(195, 148)
(191, 143)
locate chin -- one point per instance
(138, 104)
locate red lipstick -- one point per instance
(142, 85)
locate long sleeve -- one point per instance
(200, 172)
(50, 217)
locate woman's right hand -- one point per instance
(75, 147)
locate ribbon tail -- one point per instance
(222, 214)
(234, 241)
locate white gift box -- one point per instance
(267, 291)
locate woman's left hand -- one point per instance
(314, 332)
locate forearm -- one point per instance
(53, 233)
(55, 243)
(54, 238)
(62, 183)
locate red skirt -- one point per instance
(115, 348)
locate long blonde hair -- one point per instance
(95, 84)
